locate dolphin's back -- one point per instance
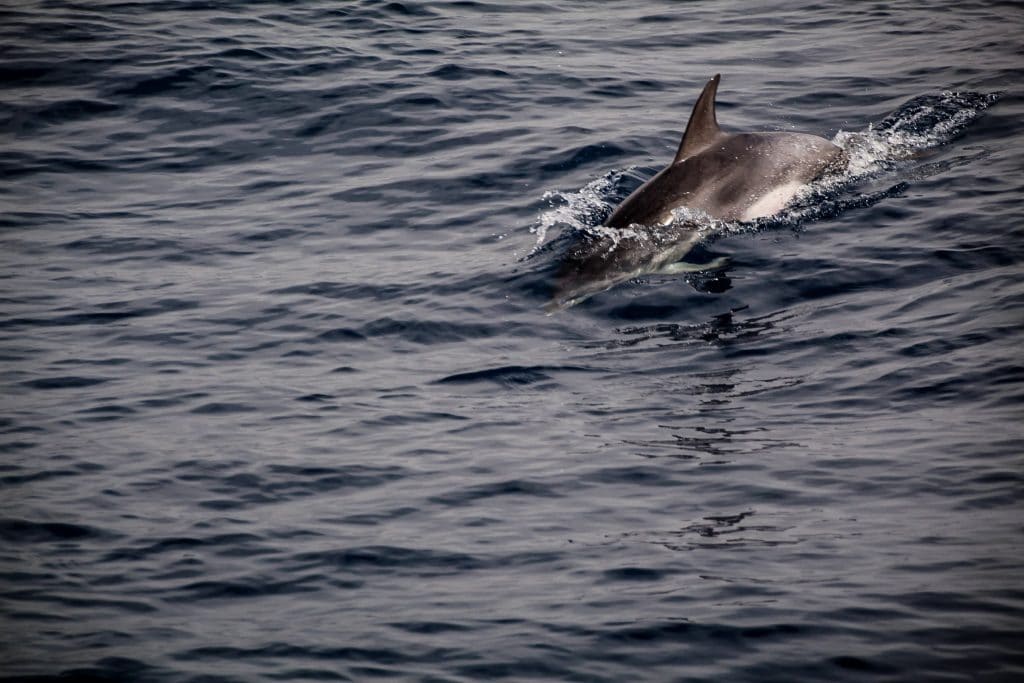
(740, 177)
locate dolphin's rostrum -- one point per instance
(727, 176)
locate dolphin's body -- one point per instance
(728, 176)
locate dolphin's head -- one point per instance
(597, 262)
(591, 265)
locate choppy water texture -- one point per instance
(280, 401)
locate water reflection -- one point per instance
(724, 328)
(694, 413)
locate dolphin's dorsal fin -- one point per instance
(702, 130)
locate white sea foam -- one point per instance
(577, 210)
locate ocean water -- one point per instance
(281, 402)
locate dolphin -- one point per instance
(725, 176)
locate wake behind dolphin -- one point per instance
(714, 174)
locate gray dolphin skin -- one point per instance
(728, 176)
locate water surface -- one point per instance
(280, 401)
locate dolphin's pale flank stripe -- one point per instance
(773, 201)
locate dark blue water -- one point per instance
(280, 401)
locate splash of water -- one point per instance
(579, 210)
(921, 123)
